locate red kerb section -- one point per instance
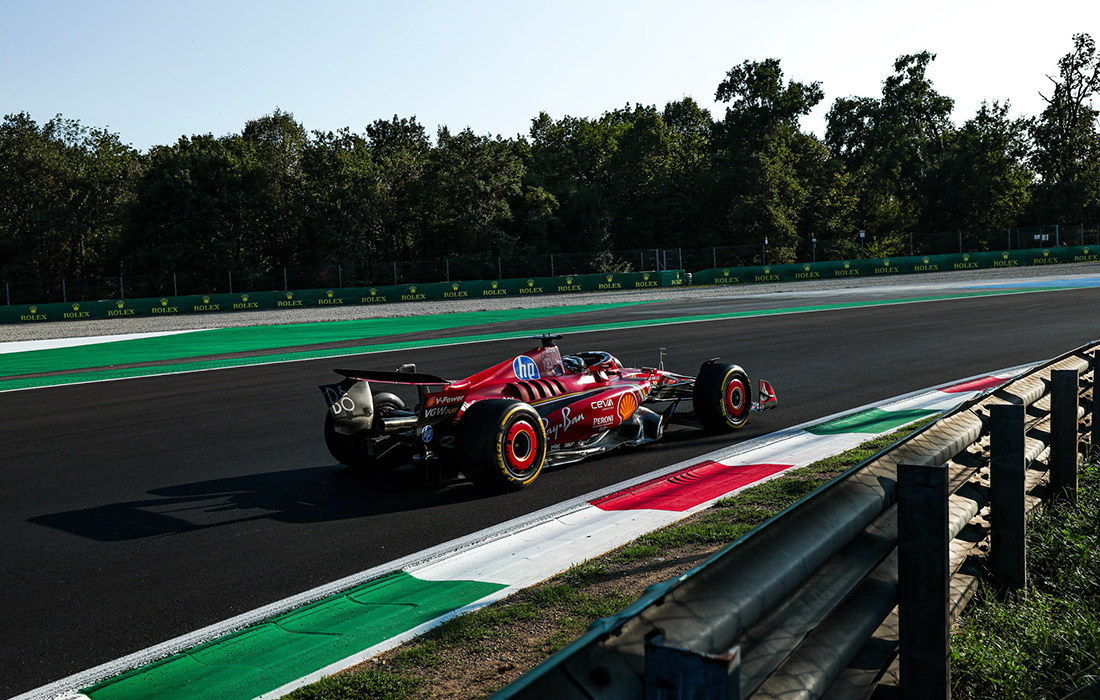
(979, 384)
(689, 487)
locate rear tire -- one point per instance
(349, 449)
(722, 397)
(501, 444)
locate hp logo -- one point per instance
(525, 368)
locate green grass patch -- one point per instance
(1044, 641)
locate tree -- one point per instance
(63, 187)
(892, 146)
(986, 183)
(1067, 144)
(470, 184)
(760, 157)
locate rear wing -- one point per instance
(412, 378)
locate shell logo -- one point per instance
(627, 405)
(76, 307)
(495, 284)
(329, 294)
(455, 286)
(206, 300)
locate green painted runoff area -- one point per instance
(268, 655)
(282, 339)
(873, 421)
(222, 341)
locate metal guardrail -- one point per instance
(858, 583)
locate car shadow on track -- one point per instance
(310, 495)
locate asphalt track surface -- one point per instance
(136, 511)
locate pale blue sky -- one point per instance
(153, 71)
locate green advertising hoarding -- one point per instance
(883, 267)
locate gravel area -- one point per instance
(930, 281)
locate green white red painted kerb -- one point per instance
(274, 650)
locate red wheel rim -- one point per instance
(519, 446)
(735, 398)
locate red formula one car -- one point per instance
(500, 426)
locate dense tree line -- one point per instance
(77, 202)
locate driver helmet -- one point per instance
(572, 363)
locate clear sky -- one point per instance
(152, 71)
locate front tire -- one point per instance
(501, 444)
(722, 397)
(349, 449)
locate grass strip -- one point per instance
(476, 654)
(1042, 641)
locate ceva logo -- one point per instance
(525, 368)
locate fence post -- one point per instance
(714, 255)
(1094, 438)
(7, 292)
(230, 273)
(680, 254)
(1007, 555)
(923, 582)
(121, 290)
(286, 286)
(1057, 239)
(447, 265)
(551, 264)
(64, 296)
(340, 276)
(175, 289)
(395, 273)
(1063, 435)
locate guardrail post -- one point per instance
(672, 673)
(1063, 435)
(923, 582)
(1007, 556)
